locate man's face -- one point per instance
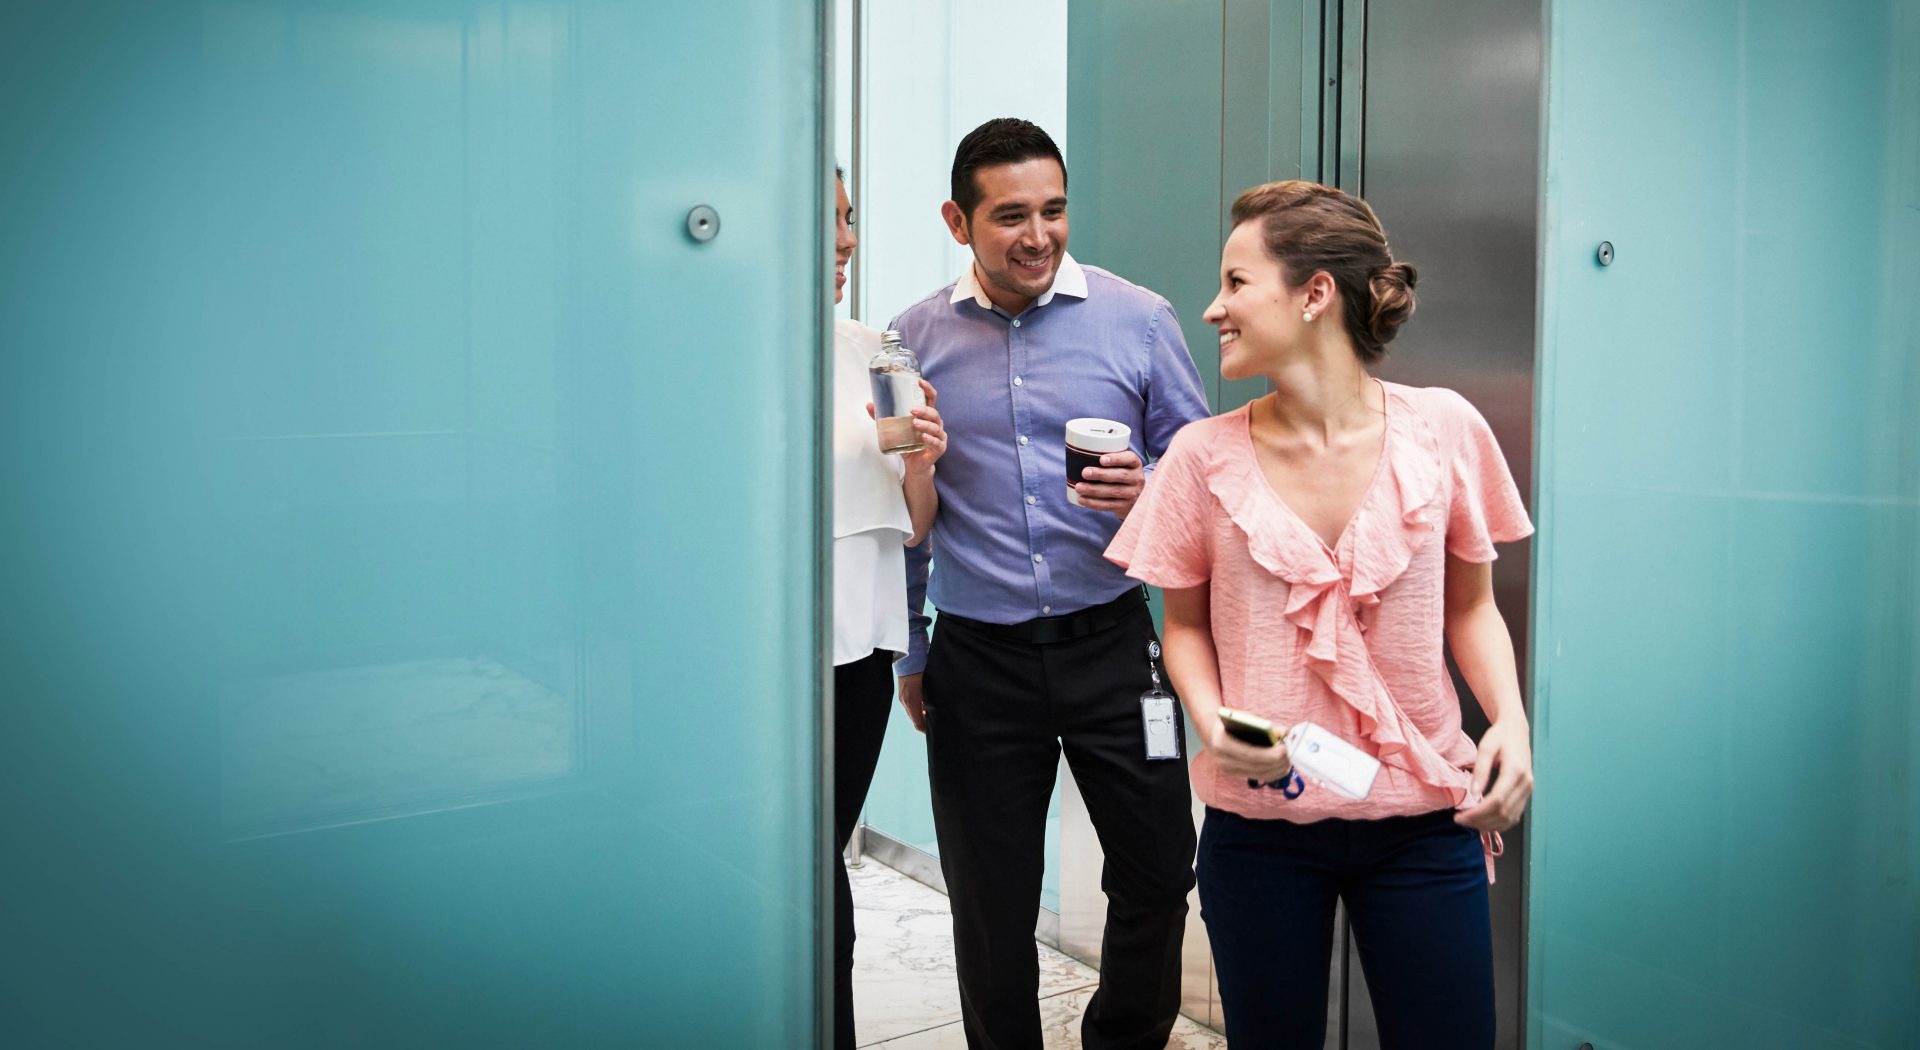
(1018, 231)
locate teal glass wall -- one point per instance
(1725, 847)
(410, 554)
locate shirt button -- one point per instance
(1046, 608)
(1029, 501)
(1023, 439)
(1038, 558)
(1016, 322)
(1016, 380)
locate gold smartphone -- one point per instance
(1249, 729)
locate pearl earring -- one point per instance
(1307, 317)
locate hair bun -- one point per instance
(1392, 291)
(1310, 229)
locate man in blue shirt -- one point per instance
(1042, 643)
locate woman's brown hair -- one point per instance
(1308, 228)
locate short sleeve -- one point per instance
(1175, 395)
(1486, 505)
(1167, 539)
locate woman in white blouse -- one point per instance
(881, 505)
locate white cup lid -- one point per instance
(1098, 435)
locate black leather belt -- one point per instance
(1051, 630)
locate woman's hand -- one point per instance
(926, 422)
(1505, 748)
(1483, 650)
(1237, 758)
(923, 502)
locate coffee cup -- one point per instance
(1087, 441)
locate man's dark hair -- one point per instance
(1002, 140)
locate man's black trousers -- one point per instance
(999, 712)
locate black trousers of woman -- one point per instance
(862, 700)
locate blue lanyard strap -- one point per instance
(1291, 786)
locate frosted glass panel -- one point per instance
(410, 557)
(1724, 850)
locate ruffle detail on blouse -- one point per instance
(1398, 515)
(1381, 554)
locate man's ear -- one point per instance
(956, 222)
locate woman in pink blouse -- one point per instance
(1320, 548)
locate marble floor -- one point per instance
(904, 991)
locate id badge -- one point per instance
(1160, 714)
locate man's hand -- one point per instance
(1115, 485)
(911, 700)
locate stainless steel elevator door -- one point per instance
(1451, 164)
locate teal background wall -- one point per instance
(410, 549)
(1217, 91)
(1153, 69)
(1725, 850)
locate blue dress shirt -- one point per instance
(1008, 547)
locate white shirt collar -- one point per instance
(1069, 279)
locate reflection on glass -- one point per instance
(403, 636)
(386, 739)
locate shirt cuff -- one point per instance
(912, 663)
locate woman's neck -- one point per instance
(1323, 392)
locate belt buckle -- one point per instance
(1050, 630)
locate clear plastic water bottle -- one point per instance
(895, 375)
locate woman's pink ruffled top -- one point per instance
(1350, 637)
